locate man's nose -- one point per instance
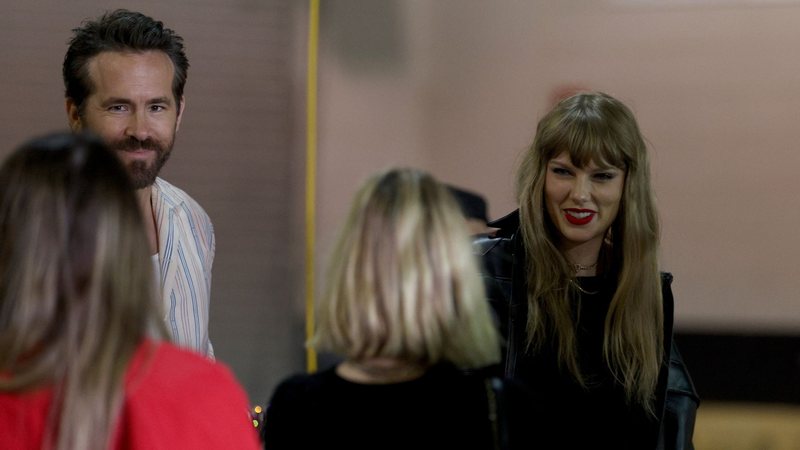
(138, 127)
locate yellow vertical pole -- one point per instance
(311, 175)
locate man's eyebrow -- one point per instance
(153, 101)
(126, 101)
(115, 100)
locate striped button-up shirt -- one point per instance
(185, 254)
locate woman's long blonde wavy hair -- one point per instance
(76, 289)
(595, 127)
(403, 282)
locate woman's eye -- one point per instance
(560, 171)
(604, 176)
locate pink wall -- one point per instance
(460, 85)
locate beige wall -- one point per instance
(714, 85)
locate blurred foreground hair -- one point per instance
(76, 288)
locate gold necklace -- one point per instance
(578, 286)
(578, 267)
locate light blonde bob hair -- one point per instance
(403, 282)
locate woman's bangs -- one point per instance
(587, 145)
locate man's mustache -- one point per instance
(133, 144)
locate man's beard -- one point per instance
(143, 173)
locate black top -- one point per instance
(599, 410)
(445, 408)
(567, 415)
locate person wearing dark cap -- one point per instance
(474, 208)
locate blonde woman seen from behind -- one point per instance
(84, 358)
(404, 307)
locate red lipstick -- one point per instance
(579, 216)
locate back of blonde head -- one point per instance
(403, 282)
(75, 282)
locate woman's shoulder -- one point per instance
(500, 229)
(506, 225)
(161, 366)
(496, 248)
(178, 396)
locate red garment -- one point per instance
(174, 399)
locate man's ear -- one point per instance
(73, 115)
(181, 109)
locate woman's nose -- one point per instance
(581, 190)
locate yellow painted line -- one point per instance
(311, 174)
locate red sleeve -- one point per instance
(182, 400)
(24, 418)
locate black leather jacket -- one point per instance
(504, 265)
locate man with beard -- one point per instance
(124, 75)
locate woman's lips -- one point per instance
(579, 216)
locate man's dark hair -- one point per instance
(120, 31)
